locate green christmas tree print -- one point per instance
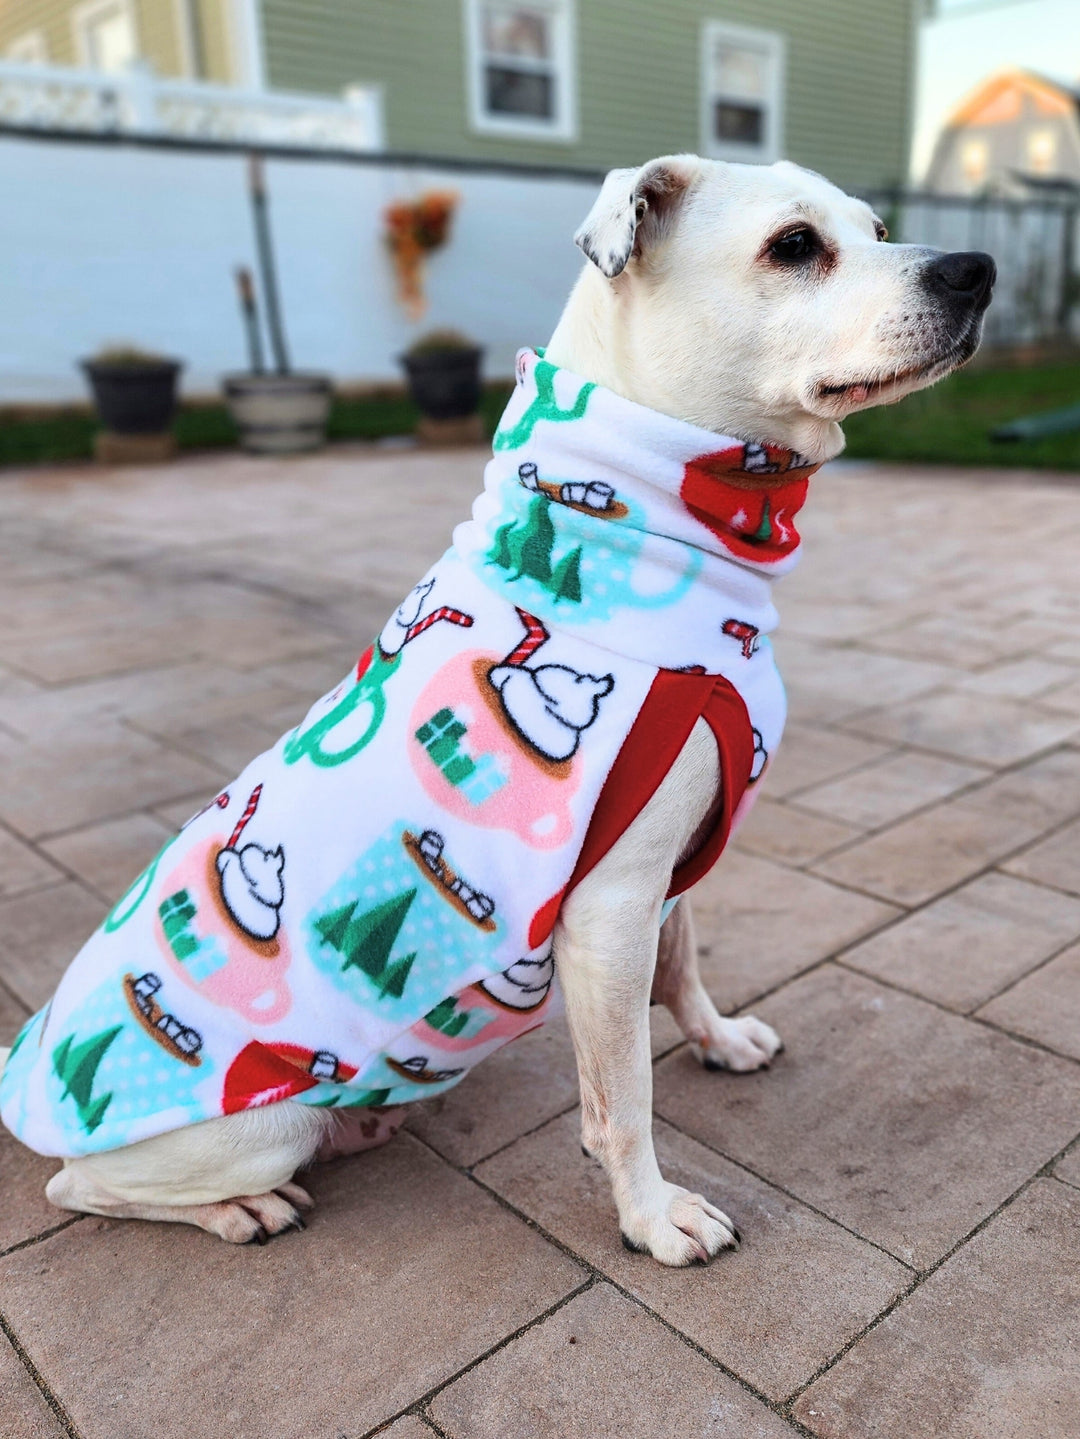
(526, 547)
(763, 534)
(534, 542)
(566, 577)
(367, 940)
(76, 1066)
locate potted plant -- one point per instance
(443, 370)
(284, 411)
(135, 397)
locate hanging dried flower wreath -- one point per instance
(414, 228)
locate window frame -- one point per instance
(84, 16)
(562, 128)
(774, 42)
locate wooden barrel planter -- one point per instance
(279, 414)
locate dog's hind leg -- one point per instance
(231, 1175)
(739, 1044)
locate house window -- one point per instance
(1042, 151)
(974, 160)
(521, 68)
(29, 49)
(741, 92)
(105, 34)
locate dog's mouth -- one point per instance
(846, 396)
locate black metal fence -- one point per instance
(1035, 244)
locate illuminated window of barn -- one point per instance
(742, 86)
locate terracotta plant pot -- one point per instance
(279, 414)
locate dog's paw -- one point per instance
(685, 1229)
(740, 1044)
(255, 1218)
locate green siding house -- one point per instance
(598, 83)
(585, 84)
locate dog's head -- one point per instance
(763, 301)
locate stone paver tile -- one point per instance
(826, 682)
(315, 675)
(25, 1211)
(1068, 1166)
(512, 1091)
(985, 1349)
(930, 852)
(229, 743)
(40, 934)
(72, 780)
(21, 868)
(407, 1272)
(88, 651)
(600, 1368)
(759, 923)
(158, 700)
(407, 1427)
(24, 1413)
(809, 756)
(1045, 1006)
(1055, 861)
(1036, 796)
(962, 949)
(881, 793)
(178, 811)
(780, 831)
(110, 855)
(1065, 698)
(961, 640)
(1021, 679)
(793, 1295)
(987, 728)
(908, 1124)
(827, 618)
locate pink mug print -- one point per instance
(204, 939)
(478, 766)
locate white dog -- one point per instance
(757, 303)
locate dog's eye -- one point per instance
(796, 245)
(880, 230)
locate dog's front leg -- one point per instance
(605, 955)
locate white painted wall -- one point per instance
(102, 244)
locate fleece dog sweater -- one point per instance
(368, 910)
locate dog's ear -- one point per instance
(633, 209)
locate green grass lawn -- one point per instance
(948, 425)
(951, 423)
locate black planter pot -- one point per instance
(445, 383)
(134, 399)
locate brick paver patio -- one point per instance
(904, 906)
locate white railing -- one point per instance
(138, 102)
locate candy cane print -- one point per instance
(444, 612)
(535, 636)
(241, 824)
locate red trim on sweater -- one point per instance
(675, 702)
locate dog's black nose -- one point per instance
(964, 273)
